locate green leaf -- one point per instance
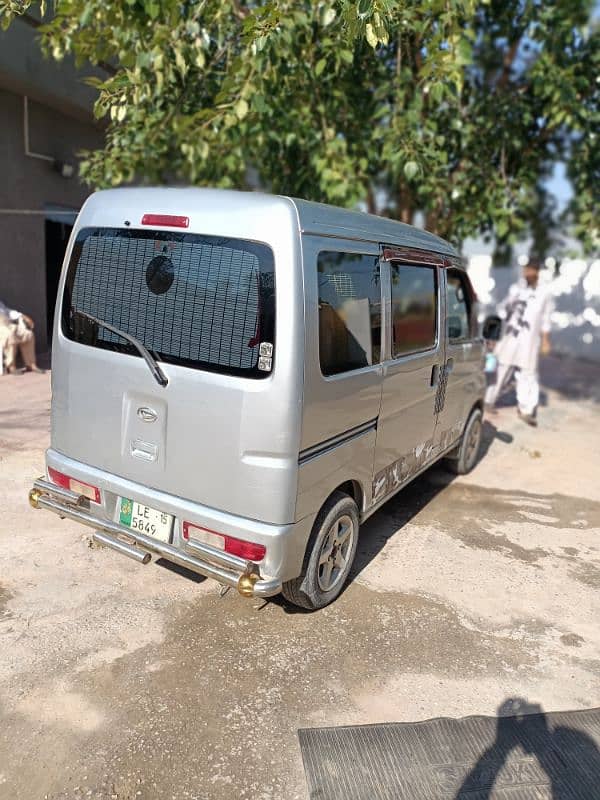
(327, 83)
(501, 228)
(152, 8)
(241, 108)
(411, 168)
(320, 66)
(200, 58)
(437, 92)
(86, 15)
(180, 62)
(258, 101)
(328, 16)
(464, 51)
(371, 36)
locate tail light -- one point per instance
(86, 489)
(236, 547)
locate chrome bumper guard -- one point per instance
(199, 557)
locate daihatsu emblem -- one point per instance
(147, 414)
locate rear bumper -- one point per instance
(285, 543)
(196, 556)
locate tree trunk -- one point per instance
(405, 204)
(371, 204)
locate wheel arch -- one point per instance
(352, 488)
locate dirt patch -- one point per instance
(484, 507)
(135, 683)
(500, 543)
(572, 640)
(587, 573)
(474, 516)
(231, 683)
(5, 596)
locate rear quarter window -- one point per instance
(349, 311)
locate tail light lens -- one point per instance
(166, 220)
(86, 489)
(236, 547)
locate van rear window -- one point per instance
(204, 302)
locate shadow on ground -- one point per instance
(524, 753)
(563, 760)
(413, 499)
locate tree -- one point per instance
(456, 108)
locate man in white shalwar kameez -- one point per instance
(527, 310)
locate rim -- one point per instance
(335, 553)
(473, 442)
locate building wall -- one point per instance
(29, 185)
(576, 290)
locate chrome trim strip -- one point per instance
(321, 448)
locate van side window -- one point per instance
(458, 311)
(349, 311)
(414, 303)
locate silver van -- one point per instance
(239, 380)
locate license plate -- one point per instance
(145, 519)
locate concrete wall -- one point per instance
(576, 290)
(58, 84)
(29, 185)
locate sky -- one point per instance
(560, 187)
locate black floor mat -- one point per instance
(526, 757)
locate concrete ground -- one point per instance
(118, 681)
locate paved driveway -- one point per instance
(121, 681)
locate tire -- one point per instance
(467, 454)
(320, 582)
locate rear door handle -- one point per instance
(449, 366)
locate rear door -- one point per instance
(414, 349)
(204, 306)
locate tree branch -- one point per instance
(240, 11)
(508, 61)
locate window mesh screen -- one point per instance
(215, 312)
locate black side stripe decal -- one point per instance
(336, 441)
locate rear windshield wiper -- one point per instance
(155, 369)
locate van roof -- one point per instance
(323, 219)
(317, 218)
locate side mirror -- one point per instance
(492, 328)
